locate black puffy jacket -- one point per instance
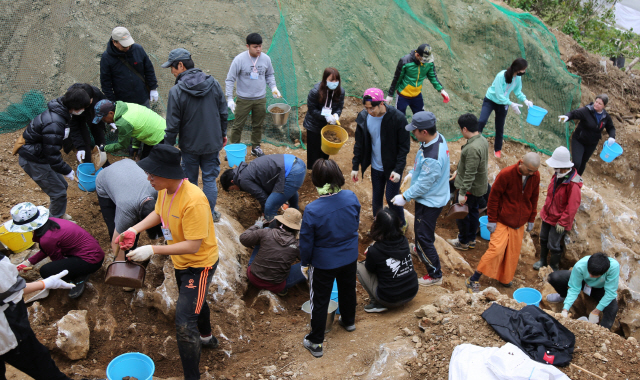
(82, 121)
(118, 82)
(589, 131)
(43, 137)
(314, 121)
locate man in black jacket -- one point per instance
(126, 73)
(81, 125)
(380, 122)
(40, 155)
(197, 110)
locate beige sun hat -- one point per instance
(291, 218)
(561, 158)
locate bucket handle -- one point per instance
(80, 184)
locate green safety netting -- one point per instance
(49, 45)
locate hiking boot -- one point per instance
(349, 328)
(455, 243)
(555, 298)
(315, 349)
(544, 250)
(429, 281)
(216, 216)
(76, 291)
(374, 307)
(554, 260)
(257, 151)
(472, 286)
(539, 264)
(283, 293)
(506, 285)
(497, 154)
(209, 342)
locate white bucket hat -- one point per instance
(561, 158)
(27, 217)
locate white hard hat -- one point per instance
(561, 158)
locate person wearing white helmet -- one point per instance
(560, 207)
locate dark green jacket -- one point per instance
(409, 75)
(473, 167)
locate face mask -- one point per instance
(77, 112)
(333, 85)
(559, 174)
(521, 74)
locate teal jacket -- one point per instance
(430, 174)
(608, 281)
(500, 89)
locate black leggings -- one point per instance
(580, 154)
(76, 266)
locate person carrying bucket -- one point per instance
(40, 155)
(497, 99)
(197, 111)
(187, 226)
(593, 118)
(560, 207)
(378, 124)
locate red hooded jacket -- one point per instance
(509, 203)
(562, 201)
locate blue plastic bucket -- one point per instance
(132, 364)
(334, 294)
(484, 232)
(235, 154)
(529, 296)
(87, 177)
(609, 153)
(535, 115)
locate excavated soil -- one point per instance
(331, 136)
(277, 110)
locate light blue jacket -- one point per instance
(500, 89)
(430, 174)
(608, 281)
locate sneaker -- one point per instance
(209, 342)
(67, 217)
(507, 285)
(349, 328)
(472, 244)
(555, 298)
(429, 281)
(315, 349)
(455, 243)
(257, 151)
(472, 286)
(216, 216)
(76, 291)
(497, 154)
(283, 293)
(374, 308)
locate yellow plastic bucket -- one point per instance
(16, 241)
(329, 147)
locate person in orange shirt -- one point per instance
(187, 226)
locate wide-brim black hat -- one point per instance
(163, 161)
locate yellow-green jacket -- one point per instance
(139, 122)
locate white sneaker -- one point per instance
(67, 217)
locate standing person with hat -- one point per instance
(378, 123)
(139, 128)
(187, 226)
(126, 72)
(251, 72)
(411, 71)
(69, 246)
(560, 207)
(197, 111)
(276, 249)
(430, 189)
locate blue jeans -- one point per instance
(489, 106)
(291, 185)
(379, 181)
(416, 104)
(468, 227)
(210, 166)
(295, 274)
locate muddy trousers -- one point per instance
(192, 316)
(424, 228)
(560, 282)
(321, 285)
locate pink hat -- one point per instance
(376, 94)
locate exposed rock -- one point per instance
(391, 359)
(270, 300)
(528, 250)
(73, 334)
(428, 311)
(491, 294)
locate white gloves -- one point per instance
(529, 227)
(55, 282)
(491, 227)
(143, 253)
(305, 271)
(275, 92)
(594, 318)
(153, 95)
(231, 105)
(462, 198)
(70, 176)
(354, 175)
(563, 119)
(80, 156)
(66, 133)
(330, 119)
(516, 108)
(23, 265)
(565, 313)
(406, 182)
(445, 96)
(528, 103)
(398, 200)
(610, 141)
(395, 177)
(388, 99)
(260, 222)
(337, 118)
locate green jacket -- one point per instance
(472, 169)
(409, 75)
(137, 122)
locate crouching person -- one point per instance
(187, 226)
(387, 274)
(275, 250)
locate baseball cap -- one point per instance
(376, 94)
(122, 35)
(178, 54)
(102, 108)
(424, 48)
(422, 120)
